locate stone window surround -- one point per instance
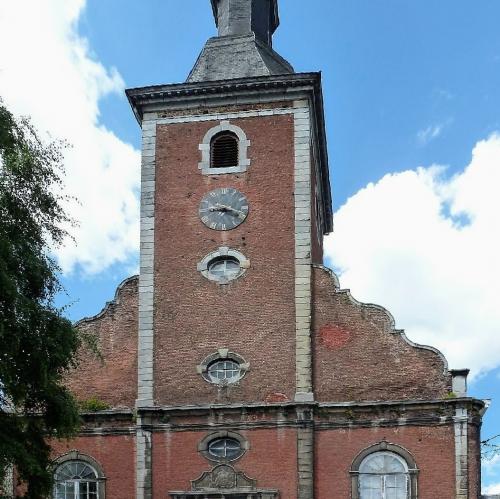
(385, 447)
(75, 455)
(223, 251)
(205, 442)
(216, 494)
(223, 481)
(205, 147)
(222, 354)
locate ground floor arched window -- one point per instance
(383, 475)
(78, 476)
(384, 471)
(76, 480)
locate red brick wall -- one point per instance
(254, 315)
(113, 379)
(271, 460)
(474, 462)
(357, 358)
(116, 456)
(432, 447)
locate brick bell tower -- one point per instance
(235, 202)
(258, 378)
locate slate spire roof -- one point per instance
(243, 47)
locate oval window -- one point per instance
(224, 268)
(224, 371)
(223, 265)
(225, 448)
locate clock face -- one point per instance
(223, 209)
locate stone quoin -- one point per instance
(234, 366)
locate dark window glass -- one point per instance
(225, 448)
(224, 150)
(227, 371)
(224, 268)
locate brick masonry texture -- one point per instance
(474, 461)
(358, 356)
(229, 108)
(114, 378)
(253, 316)
(116, 456)
(176, 460)
(431, 447)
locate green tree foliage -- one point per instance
(37, 344)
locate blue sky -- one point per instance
(412, 100)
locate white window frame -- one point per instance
(397, 451)
(76, 456)
(383, 476)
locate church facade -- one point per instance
(234, 366)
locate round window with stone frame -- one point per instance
(223, 446)
(223, 265)
(223, 368)
(224, 371)
(224, 268)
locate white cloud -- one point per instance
(47, 71)
(491, 469)
(427, 247)
(493, 489)
(430, 133)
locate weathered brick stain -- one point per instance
(333, 337)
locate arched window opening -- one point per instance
(383, 475)
(76, 480)
(384, 471)
(224, 149)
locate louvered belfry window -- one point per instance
(224, 150)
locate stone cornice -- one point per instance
(179, 93)
(320, 416)
(453, 402)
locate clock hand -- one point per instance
(234, 210)
(223, 207)
(218, 207)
